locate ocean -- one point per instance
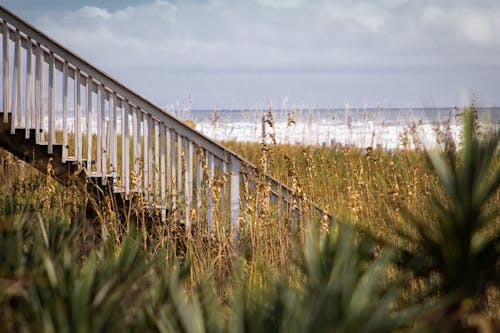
(388, 128)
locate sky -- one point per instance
(207, 54)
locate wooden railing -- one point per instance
(117, 135)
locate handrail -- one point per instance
(106, 80)
(165, 143)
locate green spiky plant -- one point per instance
(345, 289)
(459, 255)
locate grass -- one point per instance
(414, 246)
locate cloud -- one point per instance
(271, 37)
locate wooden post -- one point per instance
(105, 144)
(210, 201)
(145, 156)
(29, 89)
(99, 131)
(156, 168)
(140, 155)
(136, 141)
(112, 137)
(89, 124)
(52, 104)
(235, 194)
(124, 130)
(188, 179)
(149, 161)
(162, 173)
(179, 167)
(65, 113)
(126, 150)
(199, 176)
(17, 86)
(6, 71)
(78, 128)
(168, 162)
(38, 85)
(173, 168)
(41, 101)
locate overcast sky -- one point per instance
(242, 53)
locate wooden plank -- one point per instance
(41, 101)
(65, 113)
(210, 199)
(179, 166)
(145, 166)
(136, 124)
(38, 69)
(88, 118)
(29, 91)
(199, 177)
(6, 72)
(19, 95)
(163, 191)
(111, 134)
(126, 150)
(101, 102)
(123, 157)
(156, 167)
(105, 144)
(235, 195)
(76, 121)
(168, 161)
(173, 165)
(150, 158)
(52, 105)
(222, 165)
(140, 161)
(113, 154)
(188, 179)
(17, 86)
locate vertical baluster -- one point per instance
(140, 162)
(168, 162)
(123, 157)
(210, 201)
(29, 89)
(162, 172)
(52, 104)
(188, 178)
(38, 69)
(199, 176)
(100, 122)
(6, 71)
(173, 168)
(105, 150)
(65, 113)
(157, 160)
(19, 79)
(145, 130)
(41, 116)
(112, 137)
(179, 167)
(89, 123)
(223, 170)
(150, 157)
(137, 145)
(235, 194)
(17, 86)
(78, 129)
(126, 150)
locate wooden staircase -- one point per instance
(59, 107)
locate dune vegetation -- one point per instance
(414, 245)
